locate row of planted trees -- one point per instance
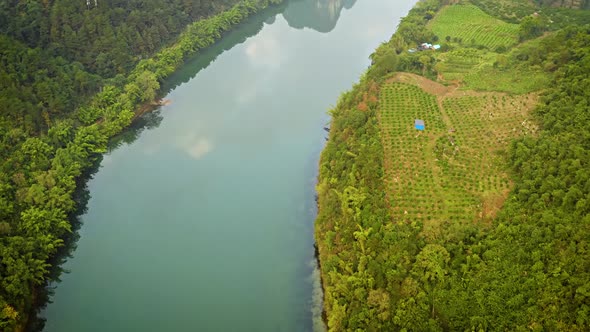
(39, 178)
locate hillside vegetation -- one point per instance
(480, 222)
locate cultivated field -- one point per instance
(474, 27)
(509, 10)
(489, 78)
(480, 70)
(453, 171)
(456, 64)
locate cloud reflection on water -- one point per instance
(200, 148)
(194, 145)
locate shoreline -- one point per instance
(393, 205)
(31, 321)
(347, 99)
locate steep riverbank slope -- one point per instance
(480, 221)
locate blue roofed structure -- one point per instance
(419, 124)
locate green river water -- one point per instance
(200, 217)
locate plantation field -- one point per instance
(508, 10)
(454, 65)
(484, 70)
(474, 27)
(453, 171)
(488, 78)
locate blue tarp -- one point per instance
(419, 124)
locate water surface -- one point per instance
(205, 222)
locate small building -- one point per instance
(419, 124)
(428, 46)
(425, 46)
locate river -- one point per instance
(201, 215)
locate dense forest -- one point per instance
(525, 269)
(108, 36)
(72, 75)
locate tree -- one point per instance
(385, 61)
(530, 27)
(431, 268)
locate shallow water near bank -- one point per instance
(204, 222)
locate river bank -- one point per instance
(231, 220)
(414, 223)
(110, 119)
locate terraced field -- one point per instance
(453, 171)
(474, 27)
(456, 64)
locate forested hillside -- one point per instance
(106, 36)
(481, 222)
(580, 4)
(72, 74)
(57, 53)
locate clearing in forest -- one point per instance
(484, 70)
(473, 27)
(454, 170)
